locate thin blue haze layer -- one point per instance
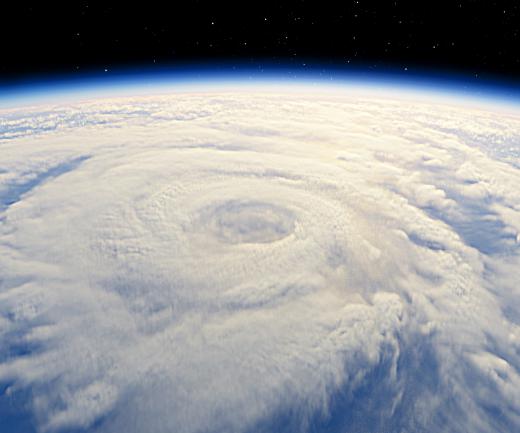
(49, 87)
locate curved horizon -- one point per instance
(196, 76)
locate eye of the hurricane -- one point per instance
(239, 221)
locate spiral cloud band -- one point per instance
(243, 262)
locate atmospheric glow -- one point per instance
(446, 86)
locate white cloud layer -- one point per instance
(256, 262)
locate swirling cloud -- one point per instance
(250, 262)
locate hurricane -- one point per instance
(245, 260)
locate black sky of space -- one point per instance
(477, 38)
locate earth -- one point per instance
(323, 258)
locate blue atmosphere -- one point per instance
(145, 79)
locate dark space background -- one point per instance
(479, 39)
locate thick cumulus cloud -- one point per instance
(257, 262)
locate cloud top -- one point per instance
(258, 262)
